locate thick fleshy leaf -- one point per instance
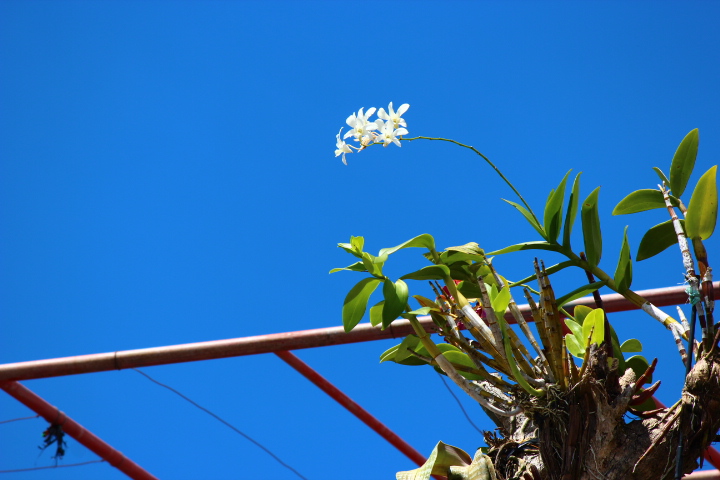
(662, 176)
(552, 218)
(657, 239)
(501, 301)
(702, 211)
(642, 200)
(462, 359)
(571, 210)
(553, 247)
(528, 216)
(471, 248)
(591, 228)
(623, 271)
(639, 364)
(438, 463)
(431, 272)
(411, 342)
(373, 264)
(631, 346)
(580, 292)
(355, 267)
(356, 302)
(595, 323)
(396, 297)
(425, 240)
(389, 355)
(426, 302)
(683, 162)
(357, 243)
(574, 347)
(581, 312)
(469, 289)
(376, 313)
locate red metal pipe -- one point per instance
(235, 347)
(704, 475)
(347, 402)
(54, 416)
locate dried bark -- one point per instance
(585, 433)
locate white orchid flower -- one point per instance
(389, 134)
(360, 126)
(341, 148)
(393, 116)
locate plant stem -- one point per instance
(487, 160)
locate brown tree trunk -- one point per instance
(585, 433)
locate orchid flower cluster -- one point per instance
(385, 129)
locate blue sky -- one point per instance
(167, 176)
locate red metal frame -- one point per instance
(276, 343)
(54, 416)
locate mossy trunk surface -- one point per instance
(584, 433)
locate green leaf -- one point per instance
(355, 267)
(373, 264)
(459, 358)
(419, 311)
(553, 247)
(623, 271)
(431, 272)
(683, 162)
(571, 210)
(550, 270)
(425, 240)
(591, 228)
(528, 216)
(438, 463)
(631, 346)
(396, 297)
(411, 342)
(469, 289)
(357, 243)
(471, 248)
(642, 200)
(575, 328)
(501, 301)
(574, 346)
(454, 256)
(376, 313)
(702, 211)
(552, 218)
(390, 354)
(639, 364)
(657, 239)
(595, 322)
(662, 176)
(581, 312)
(580, 292)
(356, 302)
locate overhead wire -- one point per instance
(459, 404)
(18, 470)
(18, 419)
(258, 444)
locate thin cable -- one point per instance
(459, 404)
(52, 466)
(18, 419)
(223, 421)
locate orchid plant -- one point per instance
(494, 366)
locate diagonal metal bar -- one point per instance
(54, 416)
(347, 402)
(235, 347)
